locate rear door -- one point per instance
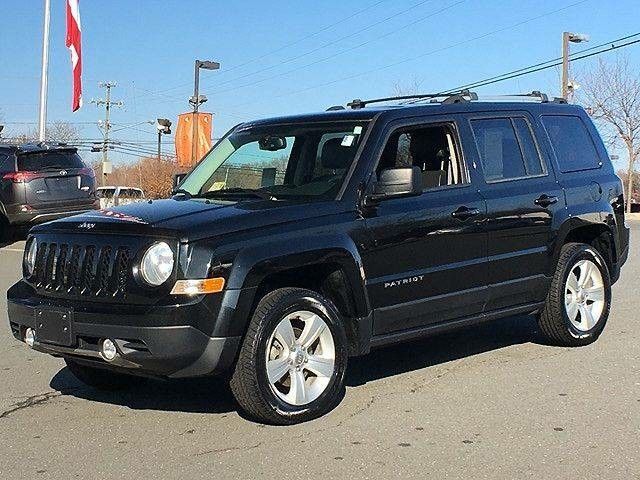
(55, 179)
(523, 199)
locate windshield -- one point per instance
(300, 161)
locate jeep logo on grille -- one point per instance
(87, 225)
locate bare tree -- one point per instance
(612, 92)
(412, 87)
(62, 132)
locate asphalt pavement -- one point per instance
(491, 401)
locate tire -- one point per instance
(6, 231)
(309, 386)
(588, 305)
(100, 378)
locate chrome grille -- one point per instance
(83, 270)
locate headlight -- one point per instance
(30, 257)
(157, 264)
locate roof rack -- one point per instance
(450, 97)
(461, 96)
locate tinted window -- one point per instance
(34, 162)
(499, 150)
(572, 143)
(6, 165)
(532, 162)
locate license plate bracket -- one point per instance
(53, 325)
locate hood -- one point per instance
(190, 219)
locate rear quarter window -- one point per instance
(571, 142)
(33, 162)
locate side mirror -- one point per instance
(178, 178)
(396, 182)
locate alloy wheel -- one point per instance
(300, 358)
(584, 295)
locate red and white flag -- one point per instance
(74, 44)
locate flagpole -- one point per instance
(42, 120)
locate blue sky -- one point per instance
(284, 56)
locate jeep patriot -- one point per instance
(300, 241)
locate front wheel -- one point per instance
(579, 299)
(293, 358)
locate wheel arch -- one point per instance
(329, 265)
(598, 235)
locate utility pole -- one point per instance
(108, 103)
(568, 37)
(42, 117)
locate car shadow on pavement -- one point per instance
(442, 348)
(191, 395)
(212, 395)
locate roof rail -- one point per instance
(450, 97)
(543, 97)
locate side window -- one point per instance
(507, 149)
(571, 142)
(432, 149)
(532, 160)
(5, 163)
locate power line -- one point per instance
(328, 44)
(342, 52)
(287, 45)
(431, 52)
(548, 64)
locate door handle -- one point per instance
(462, 213)
(546, 200)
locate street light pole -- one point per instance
(568, 37)
(196, 100)
(164, 128)
(565, 64)
(196, 104)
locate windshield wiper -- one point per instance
(238, 192)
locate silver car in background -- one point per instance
(114, 196)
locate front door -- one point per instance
(426, 261)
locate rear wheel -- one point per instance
(293, 359)
(579, 300)
(100, 378)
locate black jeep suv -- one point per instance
(40, 182)
(300, 241)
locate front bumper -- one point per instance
(164, 349)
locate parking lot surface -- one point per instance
(491, 401)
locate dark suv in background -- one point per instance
(40, 182)
(300, 241)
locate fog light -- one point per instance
(30, 336)
(108, 350)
